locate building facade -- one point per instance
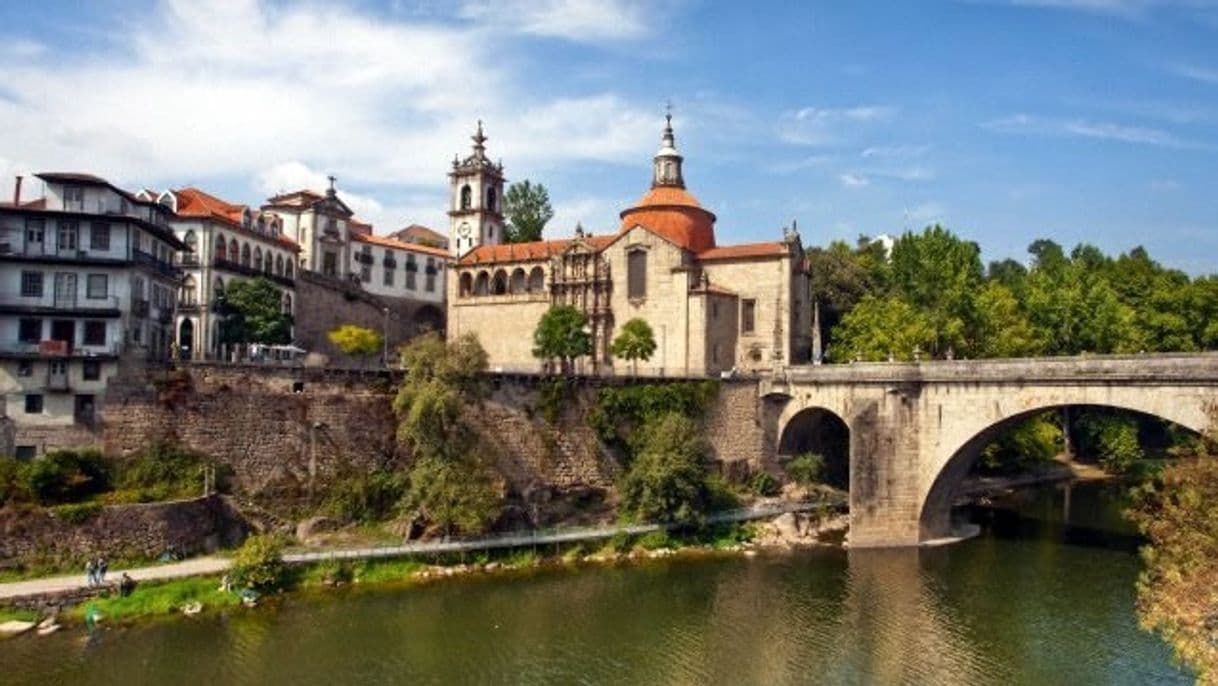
(409, 276)
(224, 243)
(320, 225)
(87, 280)
(712, 308)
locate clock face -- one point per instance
(464, 230)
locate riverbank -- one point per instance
(1060, 470)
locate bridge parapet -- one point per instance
(1199, 368)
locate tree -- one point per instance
(252, 312)
(938, 273)
(356, 341)
(562, 334)
(527, 206)
(635, 342)
(1001, 329)
(666, 480)
(879, 327)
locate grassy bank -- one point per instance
(161, 599)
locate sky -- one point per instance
(1004, 120)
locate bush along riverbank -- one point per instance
(259, 575)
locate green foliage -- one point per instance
(667, 480)
(76, 513)
(806, 469)
(562, 334)
(621, 411)
(151, 599)
(252, 312)
(1177, 516)
(67, 476)
(451, 481)
(1000, 328)
(552, 395)
(356, 341)
(635, 342)
(881, 327)
(764, 484)
(655, 541)
(527, 207)
(367, 496)
(937, 273)
(720, 494)
(166, 471)
(1031, 443)
(258, 564)
(1110, 438)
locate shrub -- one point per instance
(806, 469)
(666, 481)
(258, 564)
(65, 476)
(77, 513)
(1111, 439)
(367, 496)
(764, 484)
(165, 471)
(13, 486)
(622, 411)
(720, 494)
(654, 541)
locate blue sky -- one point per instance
(1077, 120)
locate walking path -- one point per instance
(203, 566)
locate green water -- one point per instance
(1028, 602)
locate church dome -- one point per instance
(668, 209)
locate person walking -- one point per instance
(91, 572)
(102, 566)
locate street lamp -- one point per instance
(385, 339)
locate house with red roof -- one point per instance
(712, 308)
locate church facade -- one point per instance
(713, 308)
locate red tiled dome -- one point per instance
(674, 214)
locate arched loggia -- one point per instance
(935, 518)
(818, 430)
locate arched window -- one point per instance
(466, 197)
(537, 280)
(287, 268)
(234, 252)
(518, 284)
(287, 303)
(500, 285)
(258, 259)
(217, 290)
(190, 294)
(467, 284)
(490, 198)
(279, 265)
(220, 250)
(261, 224)
(482, 284)
(192, 243)
(245, 254)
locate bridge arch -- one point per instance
(820, 430)
(960, 447)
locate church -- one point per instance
(713, 308)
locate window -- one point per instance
(748, 312)
(490, 199)
(99, 236)
(29, 330)
(388, 276)
(33, 403)
(636, 274)
(67, 236)
(257, 259)
(26, 452)
(25, 368)
(92, 370)
(466, 197)
(35, 231)
(137, 288)
(97, 286)
(31, 284)
(137, 332)
(95, 333)
(714, 310)
(429, 283)
(189, 291)
(279, 265)
(287, 268)
(137, 240)
(329, 264)
(73, 198)
(234, 251)
(191, 241)
(220, 248)
(365, 273)
(245, 255)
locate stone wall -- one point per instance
(325, 304)
(740, 428)
(187, 527)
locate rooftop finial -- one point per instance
(330, 191)
(667, 170)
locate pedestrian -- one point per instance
(102, 566)
(91, 572)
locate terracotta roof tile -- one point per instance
(727, 252)
(193, 202)
(385, 241)
(525, 252)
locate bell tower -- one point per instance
(476, 208)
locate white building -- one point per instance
(319, 225)
(224, 242)
(86, 278)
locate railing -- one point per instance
(50, 302)
(149, 260)
(536, 537)
(237, 267)
(79, 350)
(188, 259)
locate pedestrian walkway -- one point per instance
(203, 566)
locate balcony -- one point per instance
(149, 261)
(363, 257)
(188, 259)
(50, 304)
(57, 350)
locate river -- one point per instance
(1032, 600)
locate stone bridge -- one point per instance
(915, 429)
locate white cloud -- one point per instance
(809, 162)
(584, 210)
(297, 92)
(895, 151)
(1196, 73)
(1127, 9)
(1025, 124)
(828, 126)
(575, 20)
(854, 180)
